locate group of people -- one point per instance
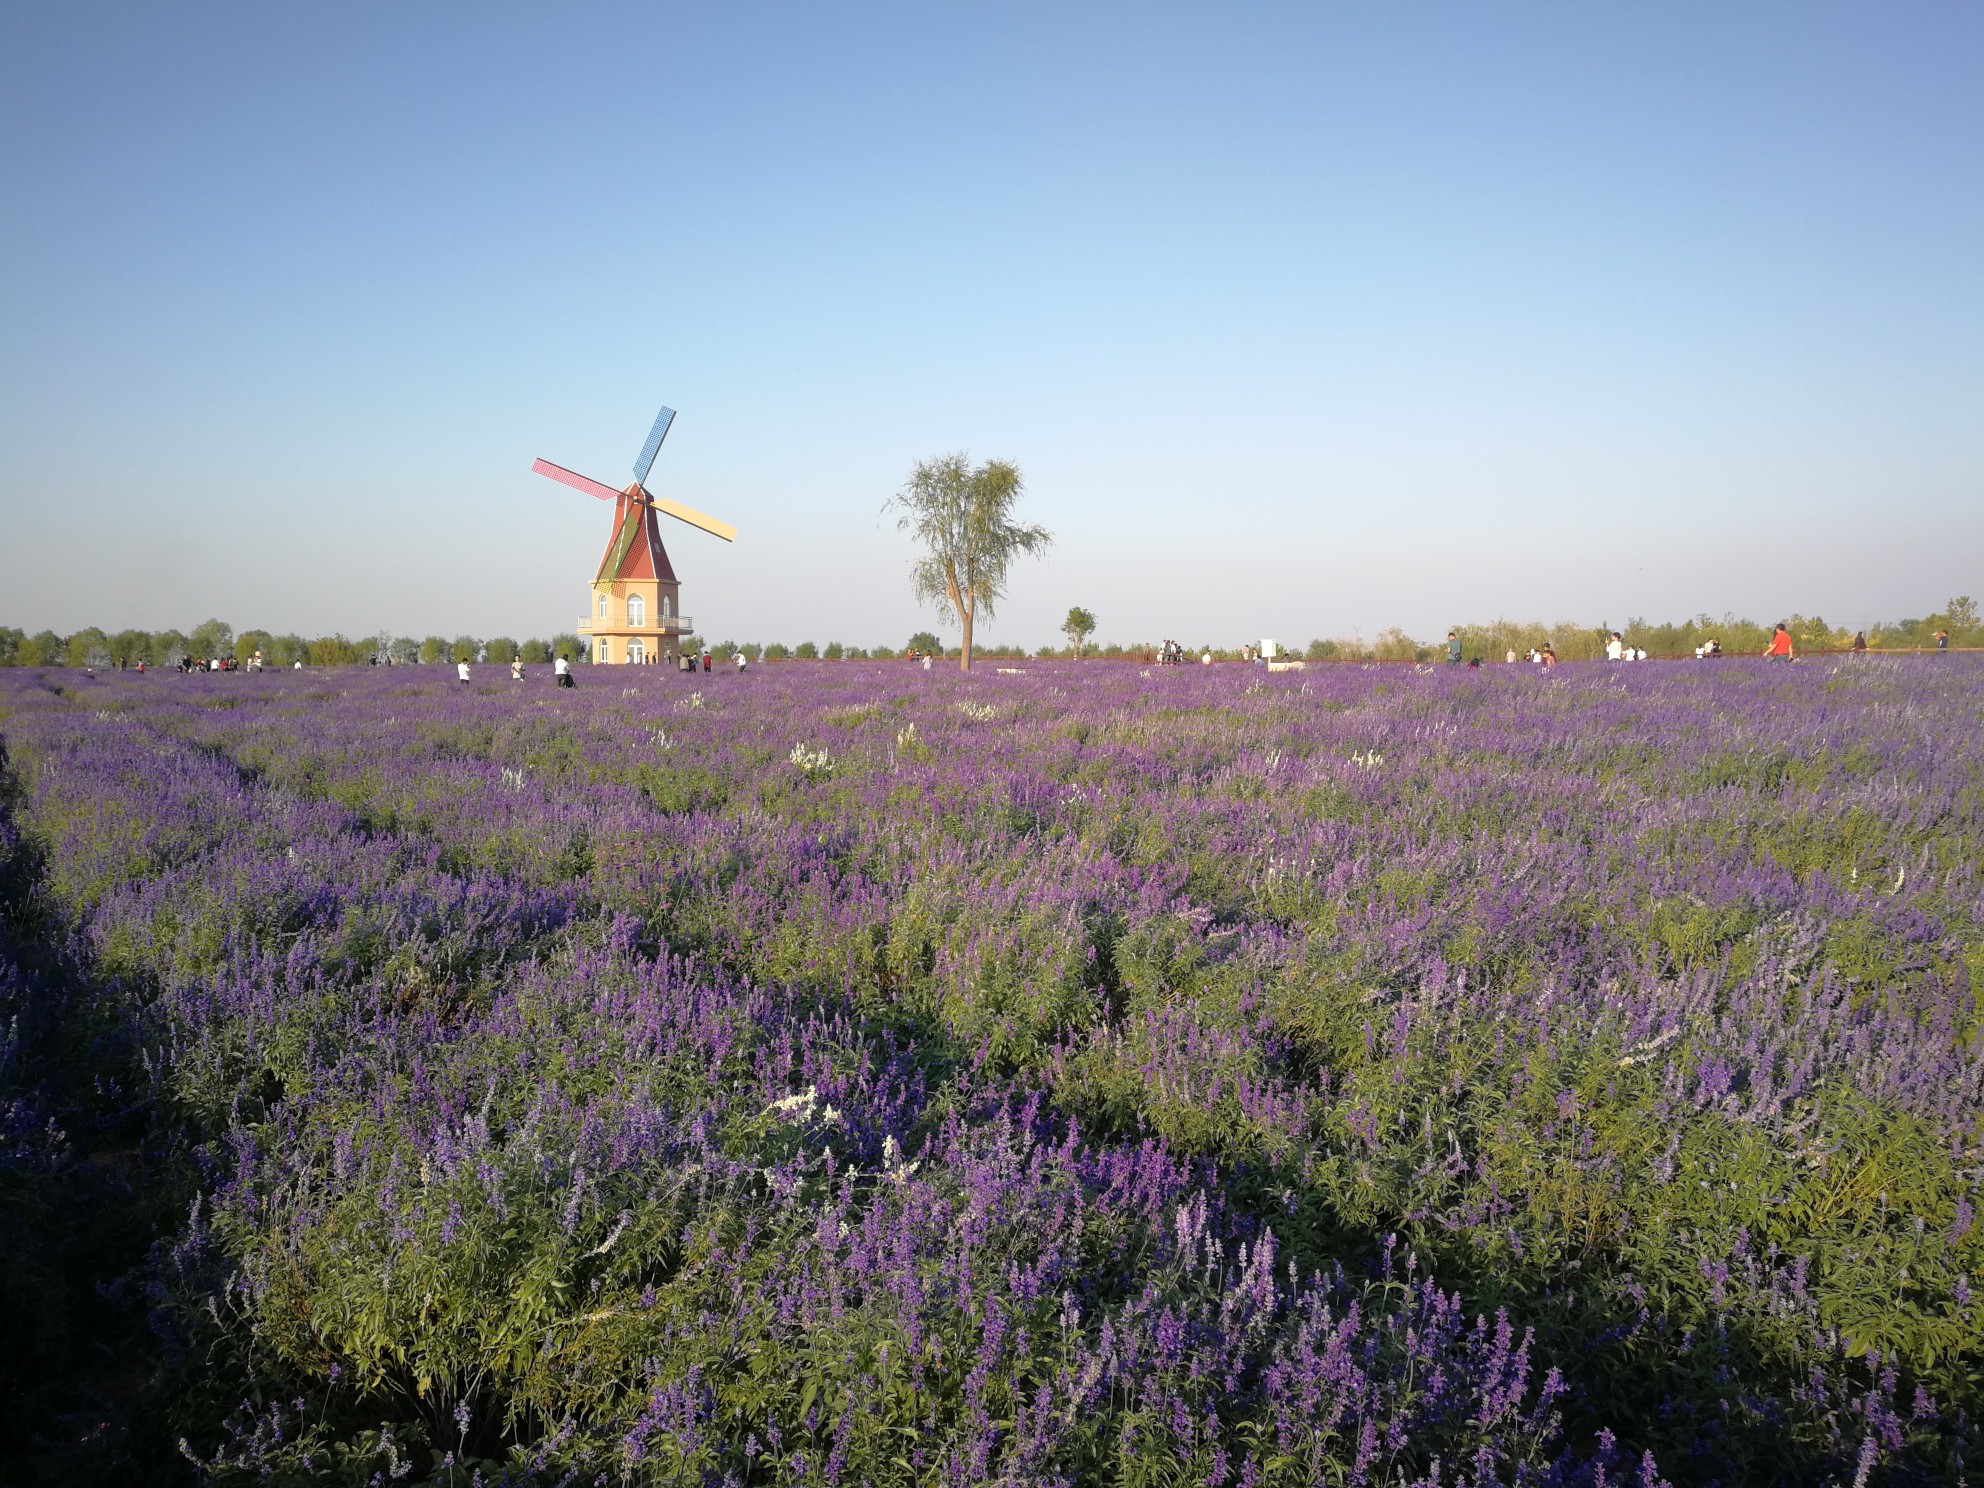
(255, 663)
(1616, 649)
(561, 670)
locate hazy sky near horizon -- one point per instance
(1300, 320)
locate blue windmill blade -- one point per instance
(653, 447)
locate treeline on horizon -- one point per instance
(1571, 640)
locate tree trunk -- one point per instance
(964, 661)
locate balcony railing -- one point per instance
(667, 625)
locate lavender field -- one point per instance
(849, 1074)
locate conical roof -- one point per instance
(635, 551)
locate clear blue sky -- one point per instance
(1300, 320)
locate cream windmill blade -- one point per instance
(694, 518)
(576, 481)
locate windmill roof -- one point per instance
(635, 550)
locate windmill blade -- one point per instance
(573, 479)
(653, 447)
(694, 518)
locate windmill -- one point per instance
(636, 609)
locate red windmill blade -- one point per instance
(576, 481)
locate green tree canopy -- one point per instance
(89, 647)
(129, 647)
(211, 638)
(962, 519)
(1078, 627)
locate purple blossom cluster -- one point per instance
(844, 1073)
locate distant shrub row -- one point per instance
(1571, 640)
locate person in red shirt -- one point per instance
(1780, 644)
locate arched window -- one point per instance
(667, 607)
(602, 607)
(604, 654)
(636, 653)
(637, 610)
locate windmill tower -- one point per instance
(634, 613)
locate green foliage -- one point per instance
(1078, 626)
(44, 648)
(335, 650)
(129, 647)
(806, 651)
(88, 648)
(211, 638)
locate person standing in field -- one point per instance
(1780, 644)
(561, 669)
(1615, 647)
(517, 668)
(1859, 642)
(461, 670)
(1453, 648)
(1549, 655)
(1942, 642)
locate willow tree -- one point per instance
(963, 519)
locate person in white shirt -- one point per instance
(562, 670)
(461, 670)
(1614, 648)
